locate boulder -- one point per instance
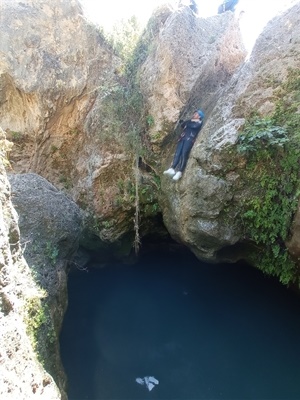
(50, 229)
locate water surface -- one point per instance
(204, 331)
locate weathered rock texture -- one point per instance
(52, 66)
(60, 89)
(56, 74)
(50, 227)
(190, 63)
(200, 211)
(21, 374)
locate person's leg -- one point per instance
(186, 149)
(178, 153)
(176, 159)
(187, 146)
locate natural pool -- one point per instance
(203, 331)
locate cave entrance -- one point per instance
(203, 331)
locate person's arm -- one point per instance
(183, 123)
(199, 129)
(183, 126)
(194, 132)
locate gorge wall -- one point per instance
(21, 373)
(60, 83)
(203, 209)
(92, 133)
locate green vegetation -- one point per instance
(39, 325)
(65, 181)
(53, 149)
(272, 149)
(125, 36)
(51, 253)
(98, 224)
(150, 120)
(16, 136)
(124, 118)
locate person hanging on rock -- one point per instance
(193, 6)
(191, 3)
(227, 5)
(191, 128)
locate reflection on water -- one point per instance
(204, 331)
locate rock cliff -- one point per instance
(103, 135)
(55, 69)
(190, 63)
(50, 228)
(21, 373)
(101, 129)
(205, 209)
(73, 114)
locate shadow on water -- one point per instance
(204, 331)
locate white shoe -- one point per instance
(170, 172)
(177, 176)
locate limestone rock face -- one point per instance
(191, 60)
(56, 73)
(53, 64)
(200, 209)
(50, 227)
(21, 374)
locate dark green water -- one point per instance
(204, 331)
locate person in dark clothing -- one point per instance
(191, 128)
(227, 5)
(191, 3)
(193, 6)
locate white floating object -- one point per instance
(149, 381)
